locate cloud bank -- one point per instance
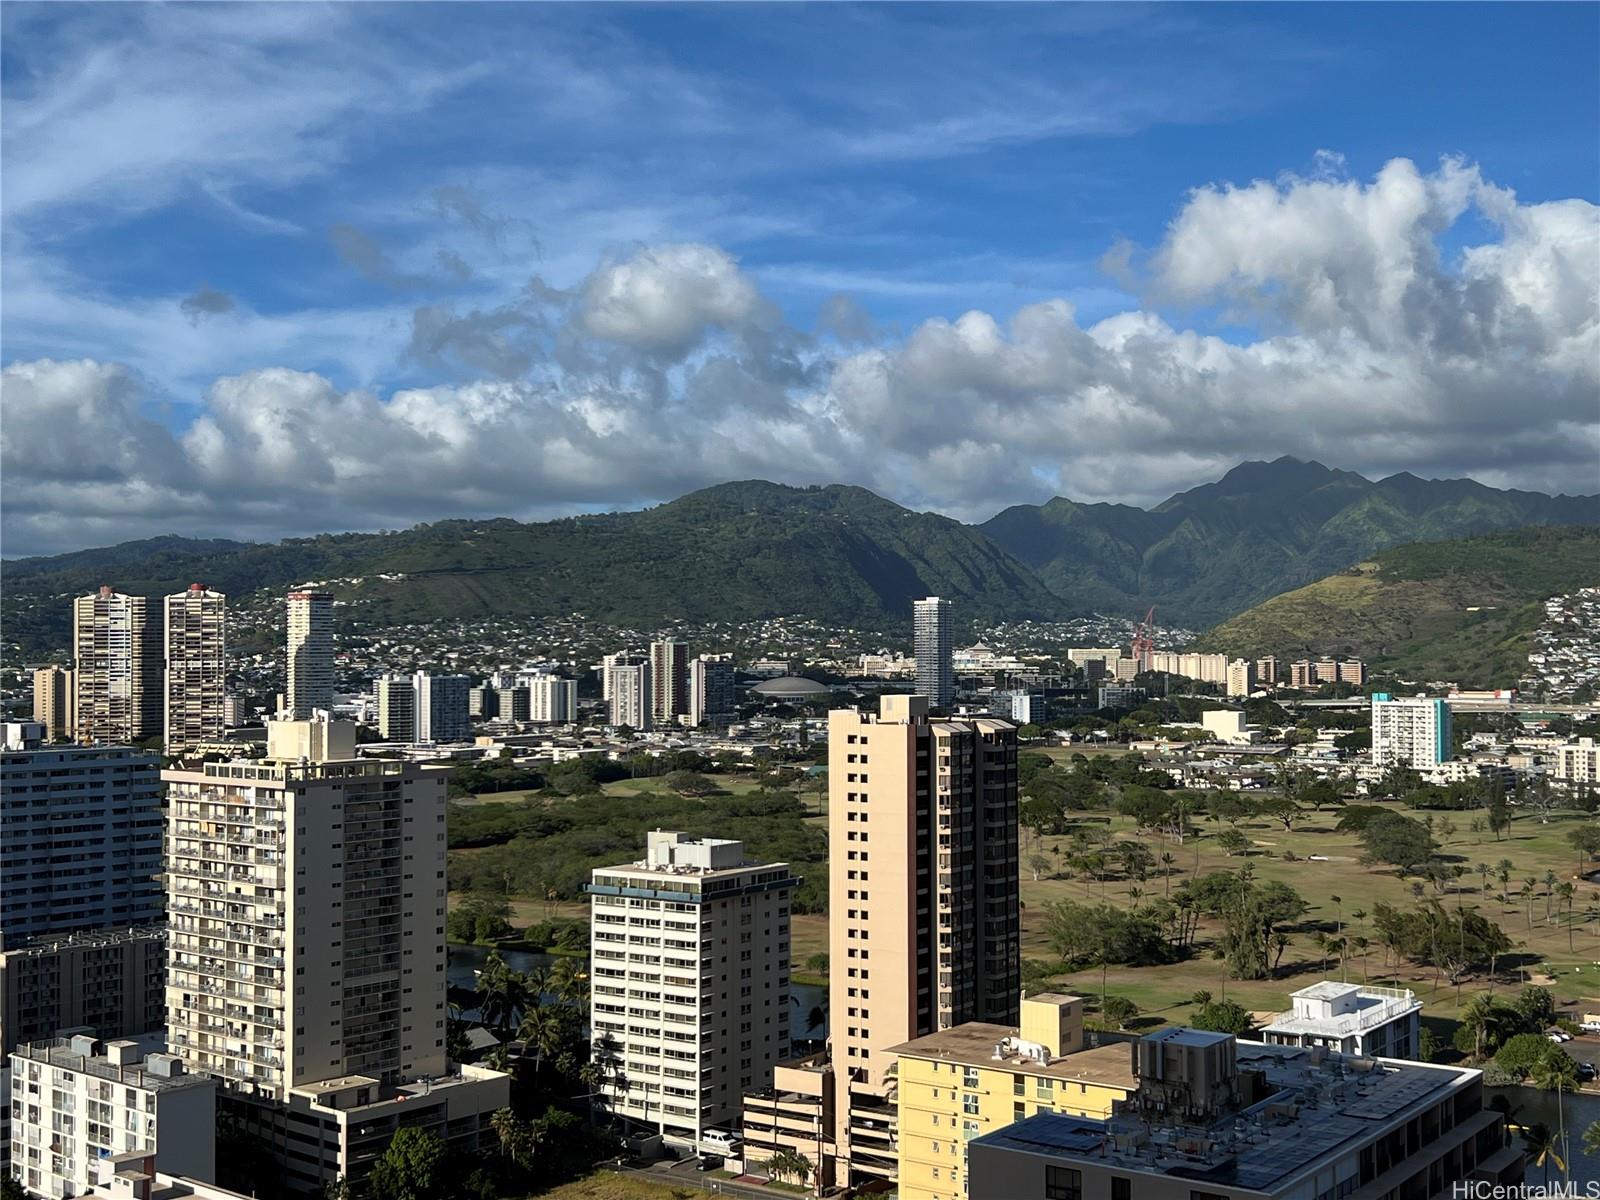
(1422, 320)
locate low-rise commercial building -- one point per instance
(1218, 1119)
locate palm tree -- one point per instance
(511, 1130)
(1542, 1146)
(1591, 1138)
(1167, 863)
(1566, 890)
(1486, 1019)
(500, 993)
(1527, 893)
(1135, 893)
(1361, 944)
(1503, 872)
(1484, 871)
(544, 1029)
(1549, 894)
(1338, 908)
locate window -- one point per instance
(969, 1104)
(1121, 1189)
(1063, 1183)
(1019, 1110)
(969, 1077)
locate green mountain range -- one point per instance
(1460, 610)
(738, 551)
(743, 551)
(1262, 529)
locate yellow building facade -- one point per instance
(961, 1083)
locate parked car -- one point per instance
(719, 1141)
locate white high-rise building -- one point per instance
(397, 708)
(632, 701)
(75, 1101)
(711, 690)
(443, 708)
(935, 678)
(308, 683)
(552, 700)
(689, 980)
(622, 658)
(306, 967)
(1414, 730)
(197, 668)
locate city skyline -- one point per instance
(1051, 264)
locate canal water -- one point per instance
(1530, 1106)
(466, 961)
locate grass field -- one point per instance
(1544, 944)
(1533, 848)
(610, 1186)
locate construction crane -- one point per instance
(1144, 641)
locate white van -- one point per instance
(719, 1141)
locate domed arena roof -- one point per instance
(791, 687)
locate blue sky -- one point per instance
(275, 244)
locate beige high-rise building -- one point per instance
(1241, 677)
(689, 984)
(308, 681)
(53, 701)
(923, 900)
(306, 966)
(118, 677)
(197, 670)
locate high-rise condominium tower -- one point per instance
(923, 898)
(197, 671)
(118, 648)
(397, 708)
(935, 679)
(669, 677)
(53, 698)
(308, 684)
(1413, 730)
(307, 959)
(552, 700)
(80, 836)
(690, 980)
(711, 690)
(443, 707)
(630, 692)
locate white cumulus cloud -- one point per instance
(1377, 349)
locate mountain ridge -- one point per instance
(1264, 528)
(840, 553)
(1462, 610)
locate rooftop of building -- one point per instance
(328, 1092)
(1320, 1106)
(980, 1044)
(1364, 1008)
(149, 1067)
(50, 943)
(791, 685)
